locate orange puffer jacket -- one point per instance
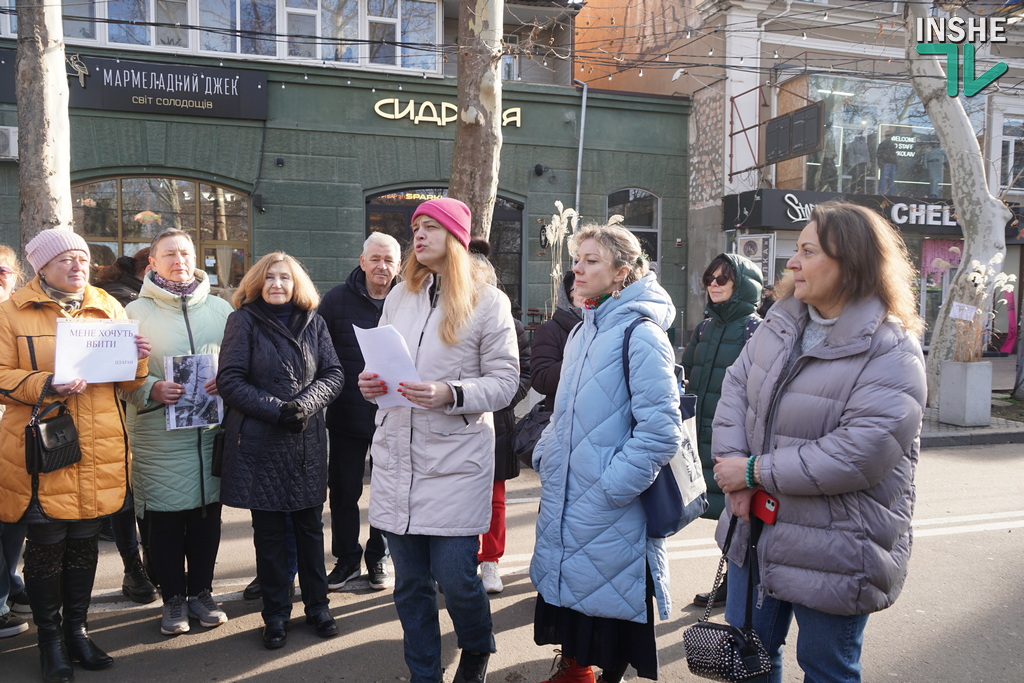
(97, 485)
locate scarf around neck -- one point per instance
(69, 301)
(176, 288)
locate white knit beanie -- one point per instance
(51, 243)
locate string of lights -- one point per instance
(691, 57)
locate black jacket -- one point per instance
(346, 305)
(506, 464)
(262, 367)
(548, 348)
(125, 288)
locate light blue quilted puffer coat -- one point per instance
(592, 549)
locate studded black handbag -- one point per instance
(721, 652)
(51, 443)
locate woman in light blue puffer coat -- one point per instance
(593, 565)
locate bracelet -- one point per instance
(758, 479)
(751, 464)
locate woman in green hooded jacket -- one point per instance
(733, 284)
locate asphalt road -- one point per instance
(960, 618)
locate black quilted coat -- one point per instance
(506, 464)
(346, 305)
(262, 367)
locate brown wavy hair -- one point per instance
(873, 259)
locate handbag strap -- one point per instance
(756, 526)
(625, 360)
(39, 404)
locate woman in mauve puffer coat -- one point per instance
(278, 372)
(823, 410)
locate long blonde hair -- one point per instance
(304, 293)
(459, 293)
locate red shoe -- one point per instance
(568, 671)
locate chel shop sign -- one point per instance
(439, 114)
(121, 85)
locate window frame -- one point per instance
(202, 244)
(656, 230)
(282, 44)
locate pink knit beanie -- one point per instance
(52, 242)
(453, 215)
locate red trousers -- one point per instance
(492, 544)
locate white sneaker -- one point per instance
(491, 578)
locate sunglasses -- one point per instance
(720, 280)
(5, 271)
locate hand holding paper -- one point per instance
(388, 357)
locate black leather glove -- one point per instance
(293, 417)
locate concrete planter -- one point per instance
(965, 394)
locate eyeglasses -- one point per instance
(720, 280)
(5, 271)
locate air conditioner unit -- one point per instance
(8, 142)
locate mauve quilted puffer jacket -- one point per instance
(263, 365)
(838, 435)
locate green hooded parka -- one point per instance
(715, 346)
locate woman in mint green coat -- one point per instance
(176, 496)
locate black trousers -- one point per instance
(268, 535)
(346, 467)
(177, 537)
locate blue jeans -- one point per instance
(12, 541)
(887, 181)
(451, 561)
(827, 645)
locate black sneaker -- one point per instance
(472, 667)
(11, 625)
(380, 577)
(342, 574)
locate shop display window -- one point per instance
(120, 216)
(878, 140)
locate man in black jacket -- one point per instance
(359, 301)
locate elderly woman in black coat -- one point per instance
(278, 371)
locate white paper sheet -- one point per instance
(387, 355)
(95, 350)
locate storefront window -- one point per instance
(641, 215)
(1012, 174)
(120, 216)
(392, 33)
(878, 140)
(391, 213)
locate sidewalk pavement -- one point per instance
(935, 434)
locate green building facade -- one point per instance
(329, 154)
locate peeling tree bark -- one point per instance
(982, 215)
(477, 154)
(44, 127)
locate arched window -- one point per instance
(391, 212)
(120, 216)
(641, 212)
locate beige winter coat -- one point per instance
(433, 470)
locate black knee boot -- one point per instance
(79, 572)
(43, 570)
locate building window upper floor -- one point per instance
(399, 34)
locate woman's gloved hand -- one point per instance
(293, 417)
